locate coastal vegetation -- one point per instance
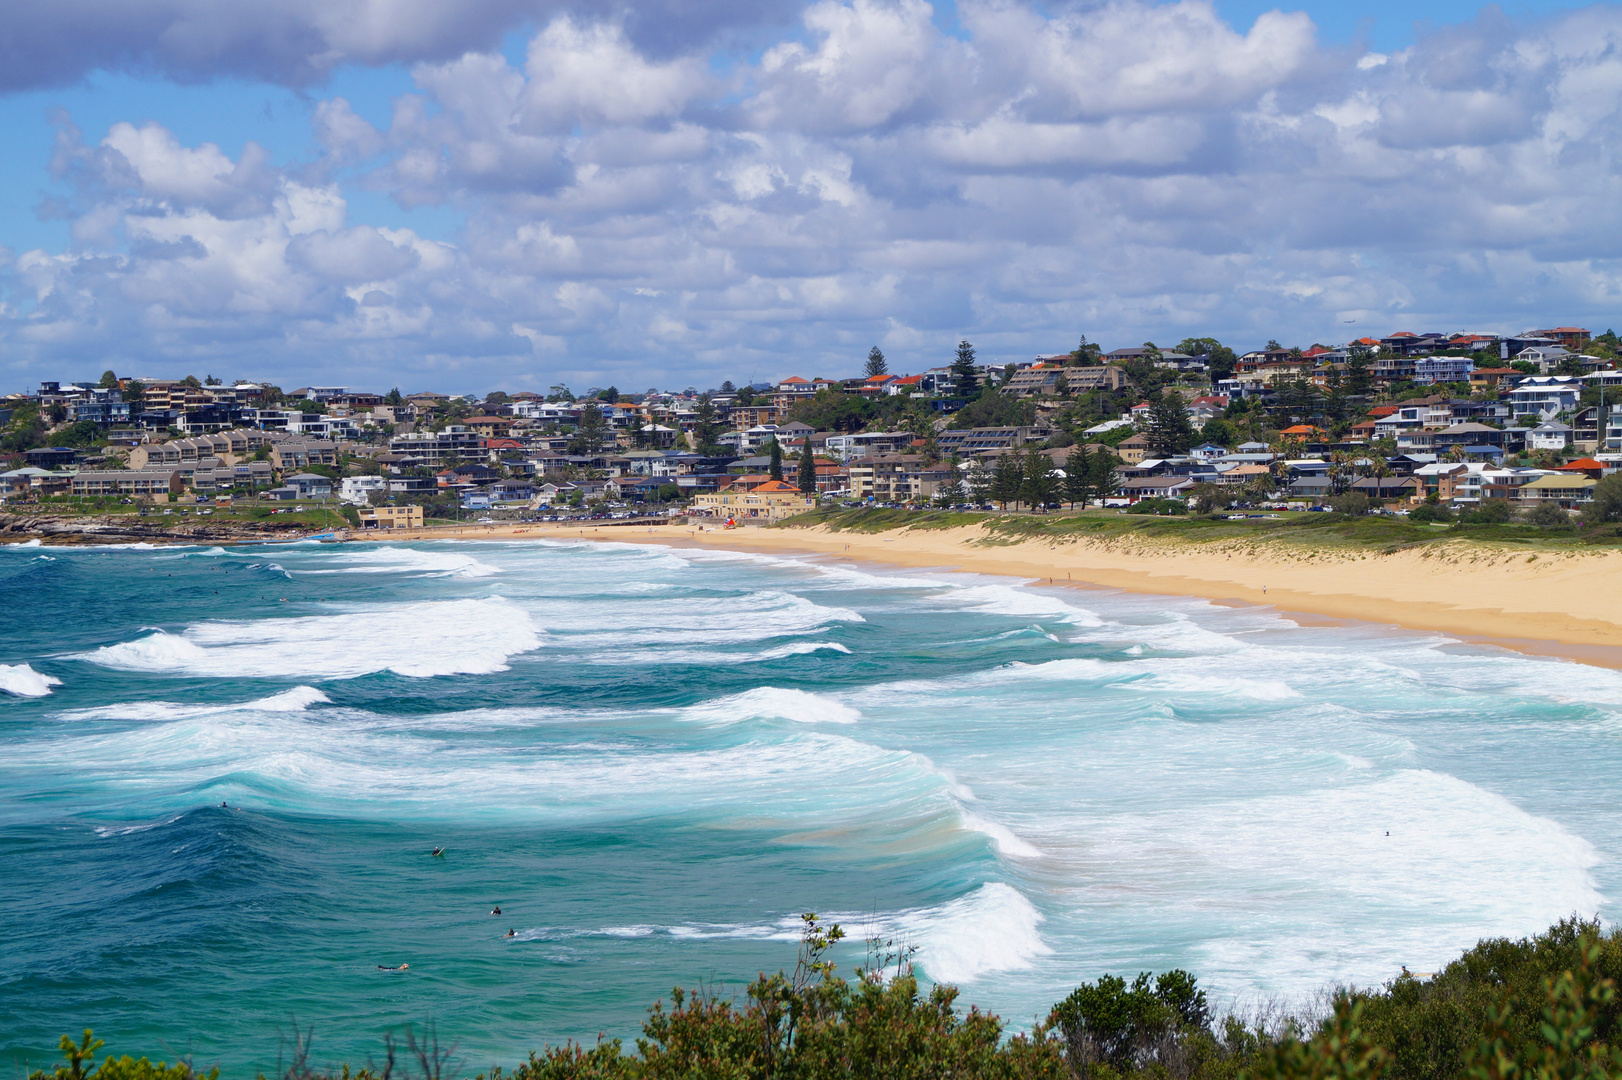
(1539, 1007)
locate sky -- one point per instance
(668, 193)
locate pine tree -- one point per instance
(980, 482)
(705, 423)
(777, 459)
(1036, 486)
(1170, 431)
(876, 364)
(1078, 479)
(1358, 381)
(588, 434)
(965, 381)
(1007, 478)
(1105, 480)
(808, 469)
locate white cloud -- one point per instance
(634, 214)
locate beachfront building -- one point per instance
(143, 482)
(391, 517)
(771, 501)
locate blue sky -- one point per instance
(663, 193)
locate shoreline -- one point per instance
(1565, 606)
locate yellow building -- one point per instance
(769, 501)
(391, 517)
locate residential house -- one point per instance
(1133, 450)
(1430, 370)
(1567, 490)
(1544, 358)
(1155, 487)
(489, 427)
(1485, 379)
(1545, 396)
(51, 457)
(357, 490)
(1572, 337)
(1551, 435)
(311, 485)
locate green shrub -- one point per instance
(1163, 507)
(1540, 1008)
(1429, 511)
(1548, 514)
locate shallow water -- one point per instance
(652, 760)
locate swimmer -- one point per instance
(495, 911)
(402, 967)
(223, 806)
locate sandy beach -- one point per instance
(1560, 604)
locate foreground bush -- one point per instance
(1536, 1009)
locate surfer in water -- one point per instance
(509, 933)
(440, 852)
(402, 967)
(495, 911)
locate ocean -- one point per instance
(652, 760)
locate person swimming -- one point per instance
(385, 967)
(495, 911)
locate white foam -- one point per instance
(993, 929)
(1001, 835)
(643, 657)
(26, 544)
(404, 560)
(454, 637)
(295, 700)
(599, 625)
(21, 680)
(1221, 686)
(1017, 600)
(769, 701)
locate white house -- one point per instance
(355, 489)
(1552, 435)
(1545, 396)
(1546, 357)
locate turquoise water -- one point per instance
(653, 759)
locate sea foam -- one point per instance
(413, 561)
(453, 637)
(21, 680)
(295, 700)
(800, 706)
